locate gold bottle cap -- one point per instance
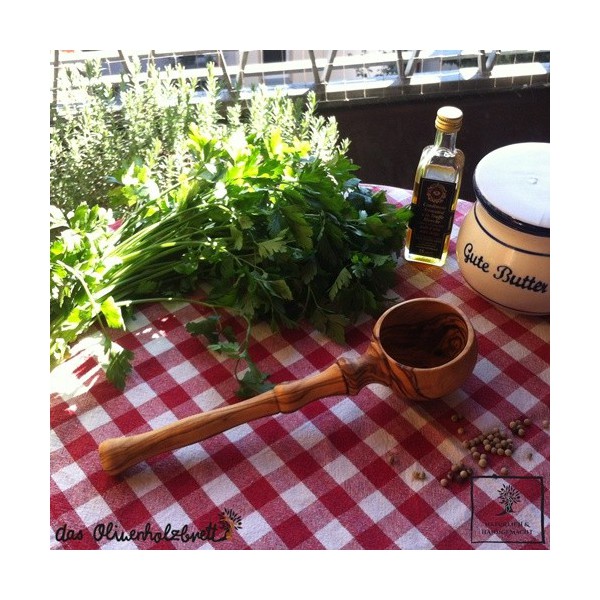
(449, 119)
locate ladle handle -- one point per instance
(118, 454)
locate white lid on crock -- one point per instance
(515, 180)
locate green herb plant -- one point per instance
(268, 223)
(101, 128)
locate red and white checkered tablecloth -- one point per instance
(340, 473)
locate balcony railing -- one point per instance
(336, 76)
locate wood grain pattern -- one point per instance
(423, 349)
(118, 454)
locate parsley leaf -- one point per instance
(267, 222)
(117, 364)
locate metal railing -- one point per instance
(334, 75)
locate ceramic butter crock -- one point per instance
(503, 244)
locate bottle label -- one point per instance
(432, 217)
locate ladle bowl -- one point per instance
(423, 349)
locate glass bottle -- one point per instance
(435, 192)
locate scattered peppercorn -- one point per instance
(495, 441)
(518, 426)
(444, 482)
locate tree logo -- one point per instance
(508, 510)
(508, 496)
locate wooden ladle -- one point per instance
(423, 349)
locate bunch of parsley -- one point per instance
(269, 222)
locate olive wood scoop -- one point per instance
(423, 349)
